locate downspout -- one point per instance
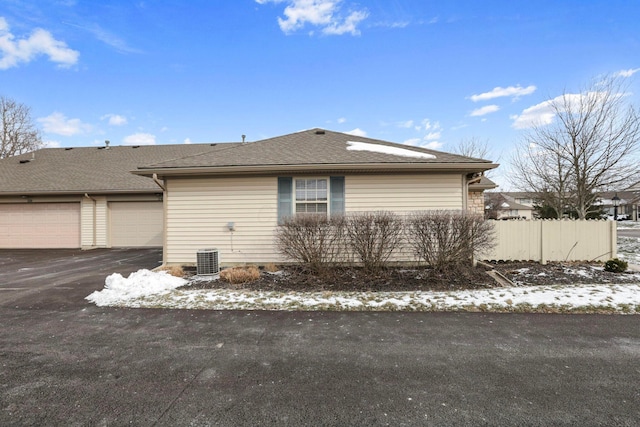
(160, 184)
(95, 219)
(472, 178)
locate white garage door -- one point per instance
(136, 224)
(40, 225)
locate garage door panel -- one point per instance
(40, 225)
(136, 224)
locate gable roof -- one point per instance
(501, 201)
(316, 149)
(484, 184)
(89, 169)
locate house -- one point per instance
(503, 206)
(233, 198)
(85, 197)
(627, 204)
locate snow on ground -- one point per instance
(118, 291)
(159, 290)
(629, 249)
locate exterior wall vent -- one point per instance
(208, 262)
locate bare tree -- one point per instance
(591, 145)
(19, 134)
(473, 147)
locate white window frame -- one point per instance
(325, 202)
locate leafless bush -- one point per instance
(240, 275)
(448, 238)
(311, 239)
(373, 236)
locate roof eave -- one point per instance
(360, 167)
(28, 193)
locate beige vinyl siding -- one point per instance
(403, 193)
(198, 211)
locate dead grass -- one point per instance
(174, 270)
(240, 275)
(271, 268)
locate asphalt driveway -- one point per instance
(60, 278)
(71, 363)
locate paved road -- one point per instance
(633, 232)
(77, 364)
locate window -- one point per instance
(311, 195)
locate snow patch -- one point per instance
(118, 290)
(386, 149)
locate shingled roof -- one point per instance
(89, 169)
(316, 149)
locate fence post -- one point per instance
(614, 239)
(543, 255)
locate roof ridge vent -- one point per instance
(319, 132)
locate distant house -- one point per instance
(627, 204)
(85, 197)
(504, 206)
(233, 198)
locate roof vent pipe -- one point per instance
(243, 137)
(106, 144)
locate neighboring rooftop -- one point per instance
(89, 169)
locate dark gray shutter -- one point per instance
(337, 194)
(285, 195)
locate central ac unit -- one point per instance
(208, 262)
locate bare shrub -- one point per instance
(240, 275)
(373, 236)
(174, 270)
(448, 238)
(313, 240)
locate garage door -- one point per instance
(135, 224)
(40, 225)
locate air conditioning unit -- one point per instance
(208, 262)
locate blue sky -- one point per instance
(428, 73)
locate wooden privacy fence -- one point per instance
(553, 240)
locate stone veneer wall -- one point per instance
(475, 202)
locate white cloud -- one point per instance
(487, 109)
(432, 135)
(427, 124)
(342, 120)
(543, 113)
(357, 132)
(406, 124)
(115, 119)
(58, 124)
(498, 92)
(424, 143)
(106, 37)
(140, 139)
(325, 14)
(187, 141)
(52, 144)
(434, 145)
(627, 73)
(40, 42)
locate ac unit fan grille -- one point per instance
(208, 262)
